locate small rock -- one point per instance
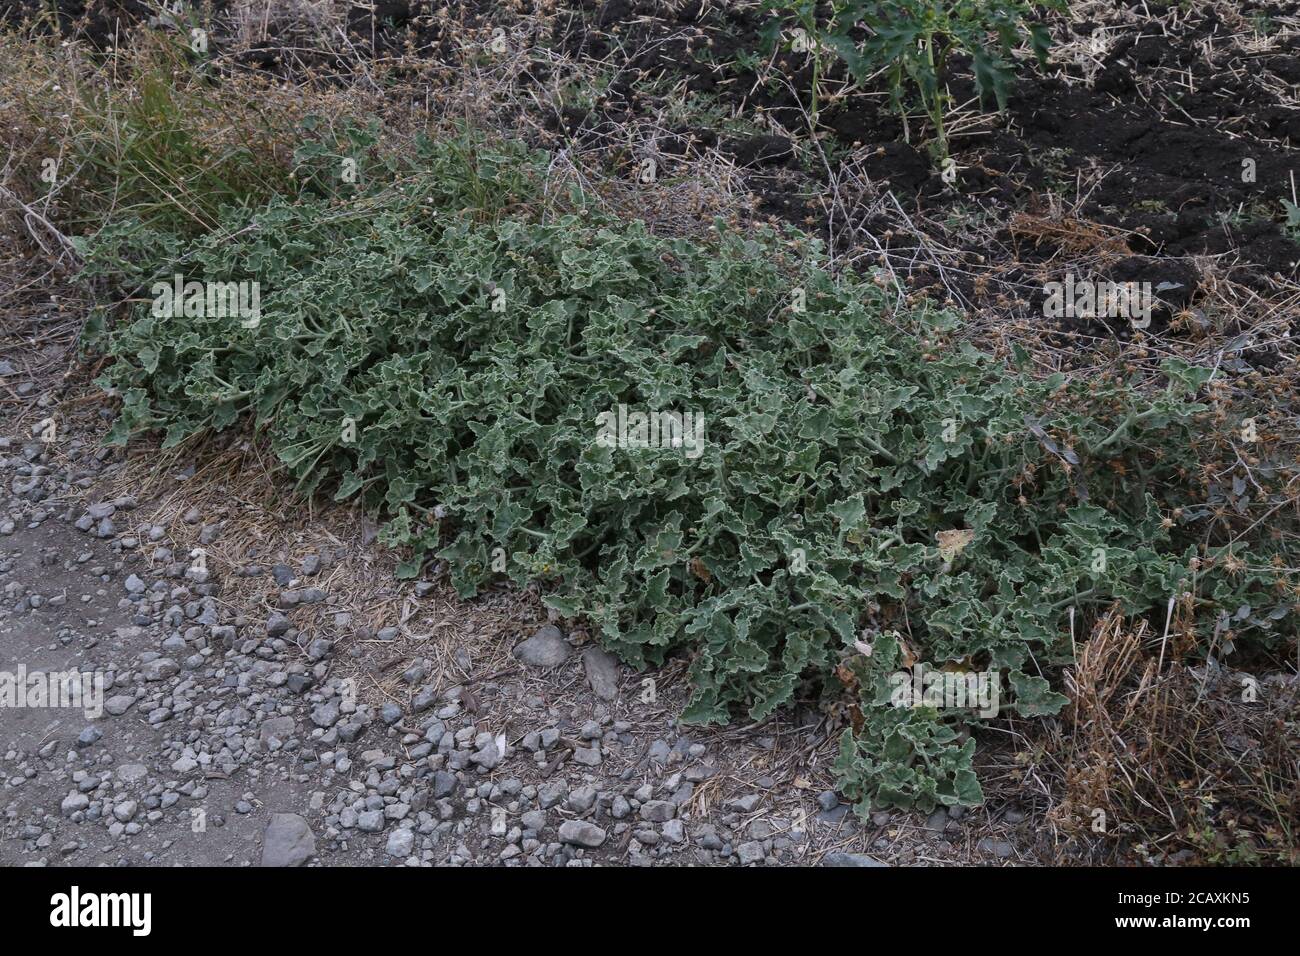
(581, 833)
(850, 859)
(658, 811)
(546, 648)
(276, 729)
(999, 848)
(937, 821)
(288, 841)
(325, 715)
(119, 704)
(74, 802)
(602, 672)
(160, 669)
(400, 843)
(444, 784)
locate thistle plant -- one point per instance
(915, 41)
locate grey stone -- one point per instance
(277, 728)
(551, 794)
(937, 821)
(352, 729)
(581, 833)
(288, 841)
(185, 764)
(444, 784)
(602, 672)
(488, 756)
(400, 843)
(850, 859)
(160, 669)
(546, 648)
(326, 714)
(834, 817)
(74, 802)
(999, 848)
(582, 799)
(119, 704)
(425, 698)
(707, 837)
(658, 811)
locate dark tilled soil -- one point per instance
(1150, 133)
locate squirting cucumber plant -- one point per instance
(873, 491)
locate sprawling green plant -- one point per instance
(915, 40)
(871, 492)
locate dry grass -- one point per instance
(1155, 760)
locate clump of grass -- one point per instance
(150, 131)
(1159, 761)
